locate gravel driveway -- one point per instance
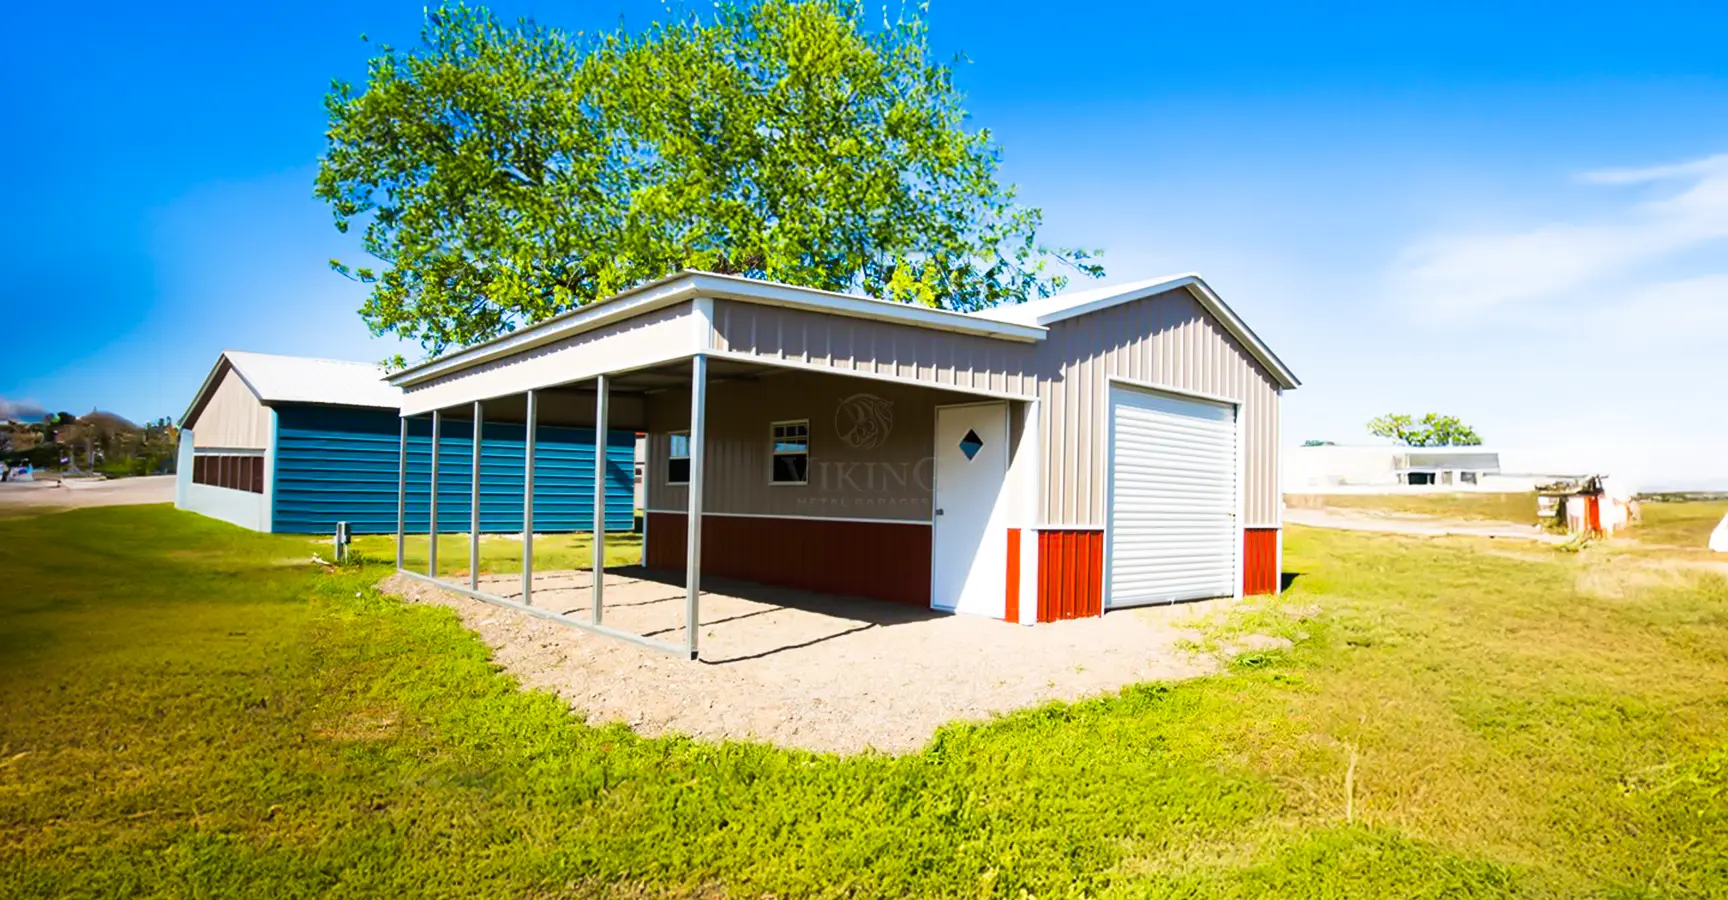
(808, 670)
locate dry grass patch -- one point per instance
(1517, 508)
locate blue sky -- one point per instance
(1517, 217)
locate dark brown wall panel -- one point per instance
(879, 560)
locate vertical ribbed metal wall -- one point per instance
(1168, 340)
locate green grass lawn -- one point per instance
(1681, 524)
(1497, 507)
(498, 553)
(191, 710)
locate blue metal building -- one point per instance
(288, 444)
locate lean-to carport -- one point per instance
(527, 411)
(686, 332)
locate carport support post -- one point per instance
(528, 500)
(401, 490)
(693, 542)
(432, 528)
(601, 384)
(474, 506)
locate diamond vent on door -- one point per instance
(971, 444)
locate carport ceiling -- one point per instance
(677, 375)
(573, 404)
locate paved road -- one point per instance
(43, 496)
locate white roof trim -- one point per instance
(204, 388)
(690, 285)
(1049, 310)
(298, 379)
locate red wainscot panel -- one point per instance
(1070, 574)
(1260, 573)
(880, 560)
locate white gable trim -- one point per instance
(1053, 310)
(209, 385)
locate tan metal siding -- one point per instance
(232, 417)
(667, 334)
(1167, 340)
(889, 481)
(880, 349)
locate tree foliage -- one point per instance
(1434, 430)
(508, 172)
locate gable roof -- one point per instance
(300, 379)
(1046, 311)
(1024, 322)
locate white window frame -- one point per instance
(775, 453)
(670, 455)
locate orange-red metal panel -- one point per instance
(1011, 609)
(1070, 574)
(880, 560)
(1260, 573)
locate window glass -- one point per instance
(678, 458)
(789, 446)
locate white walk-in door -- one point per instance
(1173, 499)
(969, 552)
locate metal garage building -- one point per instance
(289, 444)
(1107, 448)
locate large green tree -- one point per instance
(505, 172)
(1434, 430)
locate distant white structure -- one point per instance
(1393, 468)
(1719, 537)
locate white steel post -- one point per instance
(401, 491)
(601, 385)
(432, 529)
(528, 502)
(474, 506)
(693, 543)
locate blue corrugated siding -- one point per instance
(340, 465)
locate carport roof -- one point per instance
(1026, 322)
(689, 285)
(301, 379)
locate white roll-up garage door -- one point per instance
(1173, 490)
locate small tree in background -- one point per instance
(1434, 430)
(505, 173)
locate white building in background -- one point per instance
(1390, 468)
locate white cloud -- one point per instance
(1680, 312)
(1693, 169)
(20, 410)
(1468, 276)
